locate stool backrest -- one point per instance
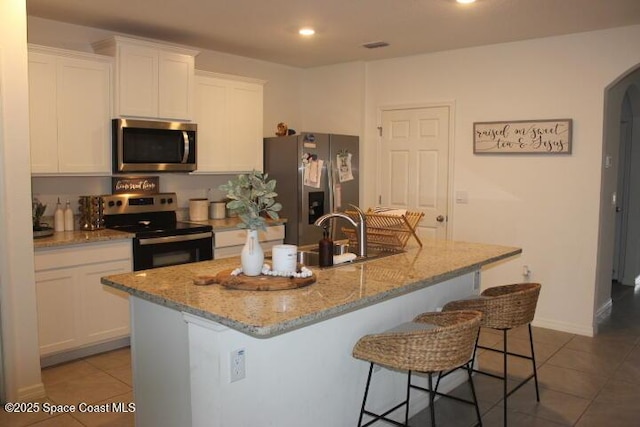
(510, 306)
(446, 344)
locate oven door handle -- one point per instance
(185, 156)
(173, 239)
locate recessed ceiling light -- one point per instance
(466, 1)
(307, 31)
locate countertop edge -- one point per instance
(290, 325)
(69, 238)
(79, 237)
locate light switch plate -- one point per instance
(462, 197)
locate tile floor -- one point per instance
(96, 380)
(584, 382)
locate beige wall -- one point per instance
(17, 288)
(548, 205)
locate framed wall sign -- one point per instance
(523, 137)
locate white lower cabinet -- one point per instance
(229, 243)
(74, 309)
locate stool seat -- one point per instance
(432, 342)
(504, 308)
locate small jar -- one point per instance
(217, 210)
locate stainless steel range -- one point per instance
(160, 240)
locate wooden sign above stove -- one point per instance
(135, 184)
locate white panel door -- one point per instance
(414, 165)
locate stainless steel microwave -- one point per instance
(153, 146)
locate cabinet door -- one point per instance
(43, 125)
(84, 111)
(74, 308)
(211, 116)
(229, 117)
(245, 111)
(58, 318)
(175, 87)
(137, 81)
(105, 310)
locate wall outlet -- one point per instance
(237, 365)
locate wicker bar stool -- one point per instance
(504, 308)
(432, 343)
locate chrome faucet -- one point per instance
(361, 227)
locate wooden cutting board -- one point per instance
(255, 283)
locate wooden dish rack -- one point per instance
(385, 231)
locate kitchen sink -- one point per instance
(311, 257)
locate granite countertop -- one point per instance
(66, 238)
(337, 290)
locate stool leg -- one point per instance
(469, 368)
(406, 412)
(504, 380)
(366, 392)
(475, 349)
(431, 401)
(533, 360)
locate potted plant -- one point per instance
(40, 229)
(252, 197)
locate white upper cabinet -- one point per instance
(153, 80)
(229, 115)
(69, 112)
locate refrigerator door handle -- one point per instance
(330, 184)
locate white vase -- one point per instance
(252, 256)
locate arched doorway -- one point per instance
(622, 102)
(626, 261)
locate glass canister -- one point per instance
(91, 210)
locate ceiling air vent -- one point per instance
(375, 45)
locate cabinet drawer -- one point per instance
(237, 237)
(70, 256)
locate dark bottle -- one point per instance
(325, 250)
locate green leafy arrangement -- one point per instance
(37, 211)
(252, 196)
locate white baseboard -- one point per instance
(79, 353)
(33, 392)
(572, 328)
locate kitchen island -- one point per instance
(211, 356)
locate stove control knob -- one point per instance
(119, 203)
(170, 200)
(163, 201)
(111, 203)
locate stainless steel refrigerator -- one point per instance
(316, 173)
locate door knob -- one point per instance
(440, 218)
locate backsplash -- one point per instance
(49, 189)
